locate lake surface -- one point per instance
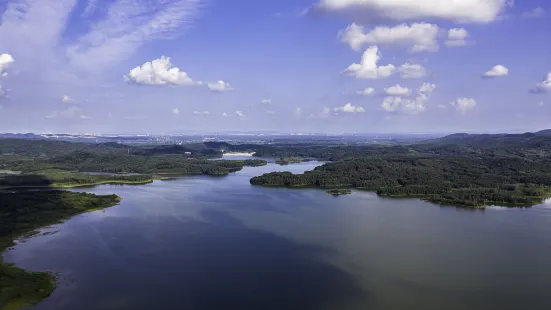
(216, 243)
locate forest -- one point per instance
(65, 164)
(470, 181)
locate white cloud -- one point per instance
(219, 86)
(409, 106)
(412, 71)
(348, 108)
(159, 72)
(463, 104)
(70, 112)
(540, 103)
(367, 68)
(28, 26)
(457, 37)
(85, 117)
(202, 113)
(237, 113)
(66, 98)
(5, 61)
(497, 71)
(462, 11)
(427, 88)
(266, 101)
(397, 90)
(127, 25)
(270, 112)
(419, 37)
(176, 111)
(369, 91)
(543, 86)
(535, 13)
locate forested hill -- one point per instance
(529, 140)
(53, 148)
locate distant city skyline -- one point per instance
(121, 66)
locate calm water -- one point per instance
(207, 243)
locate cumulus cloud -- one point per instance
(237, 113)
(176, 111)
(543, 86)
(219, 87)
(397, 90)
(418, 37)
(464, 11)
(85, 117)
(409, 106)
(368, 68)
(457, 37)
(159, 72)
(497, 71)
(412, 71)
(369, 91)
(201, 113)
(463, 104)
(266, 101)
(347, 108)
(535, 13)
(5, 61)
(66, 98)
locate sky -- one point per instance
(333, 66)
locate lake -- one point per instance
(215, 243)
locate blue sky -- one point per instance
(99, 66)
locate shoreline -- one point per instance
(25, 288)
(537, 200)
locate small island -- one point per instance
(291, 160)
(339, 192)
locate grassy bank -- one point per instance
(22, 213)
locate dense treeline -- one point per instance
(468, 181)
(21, 213)
(174, 164)
(60, 169)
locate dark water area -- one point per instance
(203, 243)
